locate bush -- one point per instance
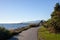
(54, 23)
(33, 25)
(44, 34)
(4, 34)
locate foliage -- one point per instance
(55, 18)
(44, 34)
(4, 34)
(54, 23)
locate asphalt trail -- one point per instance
(30, 34)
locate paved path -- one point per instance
(30, 34)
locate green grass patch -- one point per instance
(43, 33)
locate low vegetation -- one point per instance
(4, 34)
(53, 24)
(44, 34)
(51, 27)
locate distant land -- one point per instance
(18, 25)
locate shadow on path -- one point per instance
(13, 38)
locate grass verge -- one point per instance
(44, 34)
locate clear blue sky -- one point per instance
(14, 11)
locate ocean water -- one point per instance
(14, 26)
(18, 25)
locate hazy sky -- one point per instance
(14, 11)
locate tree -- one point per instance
(54, 22)
(55, 17)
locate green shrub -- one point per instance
(54, 23)
(44, 34)
(4, 34)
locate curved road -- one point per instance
(30, 34)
